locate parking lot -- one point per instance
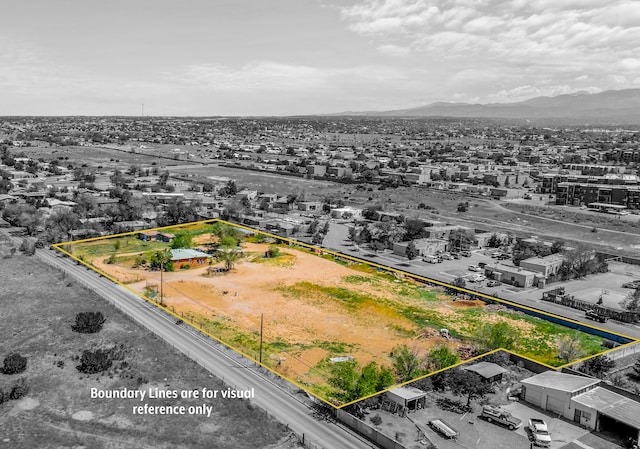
(562, 431)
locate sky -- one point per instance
(289, 57)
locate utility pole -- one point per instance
(143, 109)
(261, 321)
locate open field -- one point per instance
(38, 305)
(613, 234)
(317, 307)
(96, 156)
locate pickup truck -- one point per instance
(539, 432)
(443, 428)
(594, 315)
(497, 414)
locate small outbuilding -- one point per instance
(487, 371)
(410, 397)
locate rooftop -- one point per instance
(485, 369)
(612, 404)
(560, 381)
(187, 253)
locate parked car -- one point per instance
(474, 268)
(539, 432)
(446, 430)
(455, 255)
(430, 259)
(595, 315)
(493, 283)
(466, 253)
(446, 256)
(504, 256)
(499, 415)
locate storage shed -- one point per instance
(410, 397)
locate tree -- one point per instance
(313, 226)
(161, 260)
(229, 256)
(406, 363)
(413, 229)
(88, 322)
(412, 251)
(598, 366)
(182, 241)
(557, 246)
(461, 383)
(496, 336)
(317, 238)
(353, 234)
(463, 207)
(631, 302)
(494, 241)
(94, 362)
(441, 357)
(569, 347)
(459, 282)
(14, 363)
(352, 382)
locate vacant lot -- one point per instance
(313, 308)
(38, 305)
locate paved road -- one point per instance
(237, 371)
(336, 240)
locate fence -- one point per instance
(366, 430)
(559, 297)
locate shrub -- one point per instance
(376, 420)
(4, 396)
(19, 389)
(14, 363)
(94, 362)
(88, 322)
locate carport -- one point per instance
(489, 372)
(613, 412)
(409, 397)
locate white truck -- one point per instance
(539, 432)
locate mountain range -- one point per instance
(611, 106)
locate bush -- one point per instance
(94, 362)
(14, 363)
(376, 420)
(19, 390)
(4, 396)
(88, 322)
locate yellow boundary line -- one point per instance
(58, 246)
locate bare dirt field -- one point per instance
(38, 305)
(313, 308)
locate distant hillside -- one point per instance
(612, 106)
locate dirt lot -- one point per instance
(37, 308)
(310, 326)
(314, 308)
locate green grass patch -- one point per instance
(344, 296)
(334, 347)
(118, 245)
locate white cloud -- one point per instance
(512, 48)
